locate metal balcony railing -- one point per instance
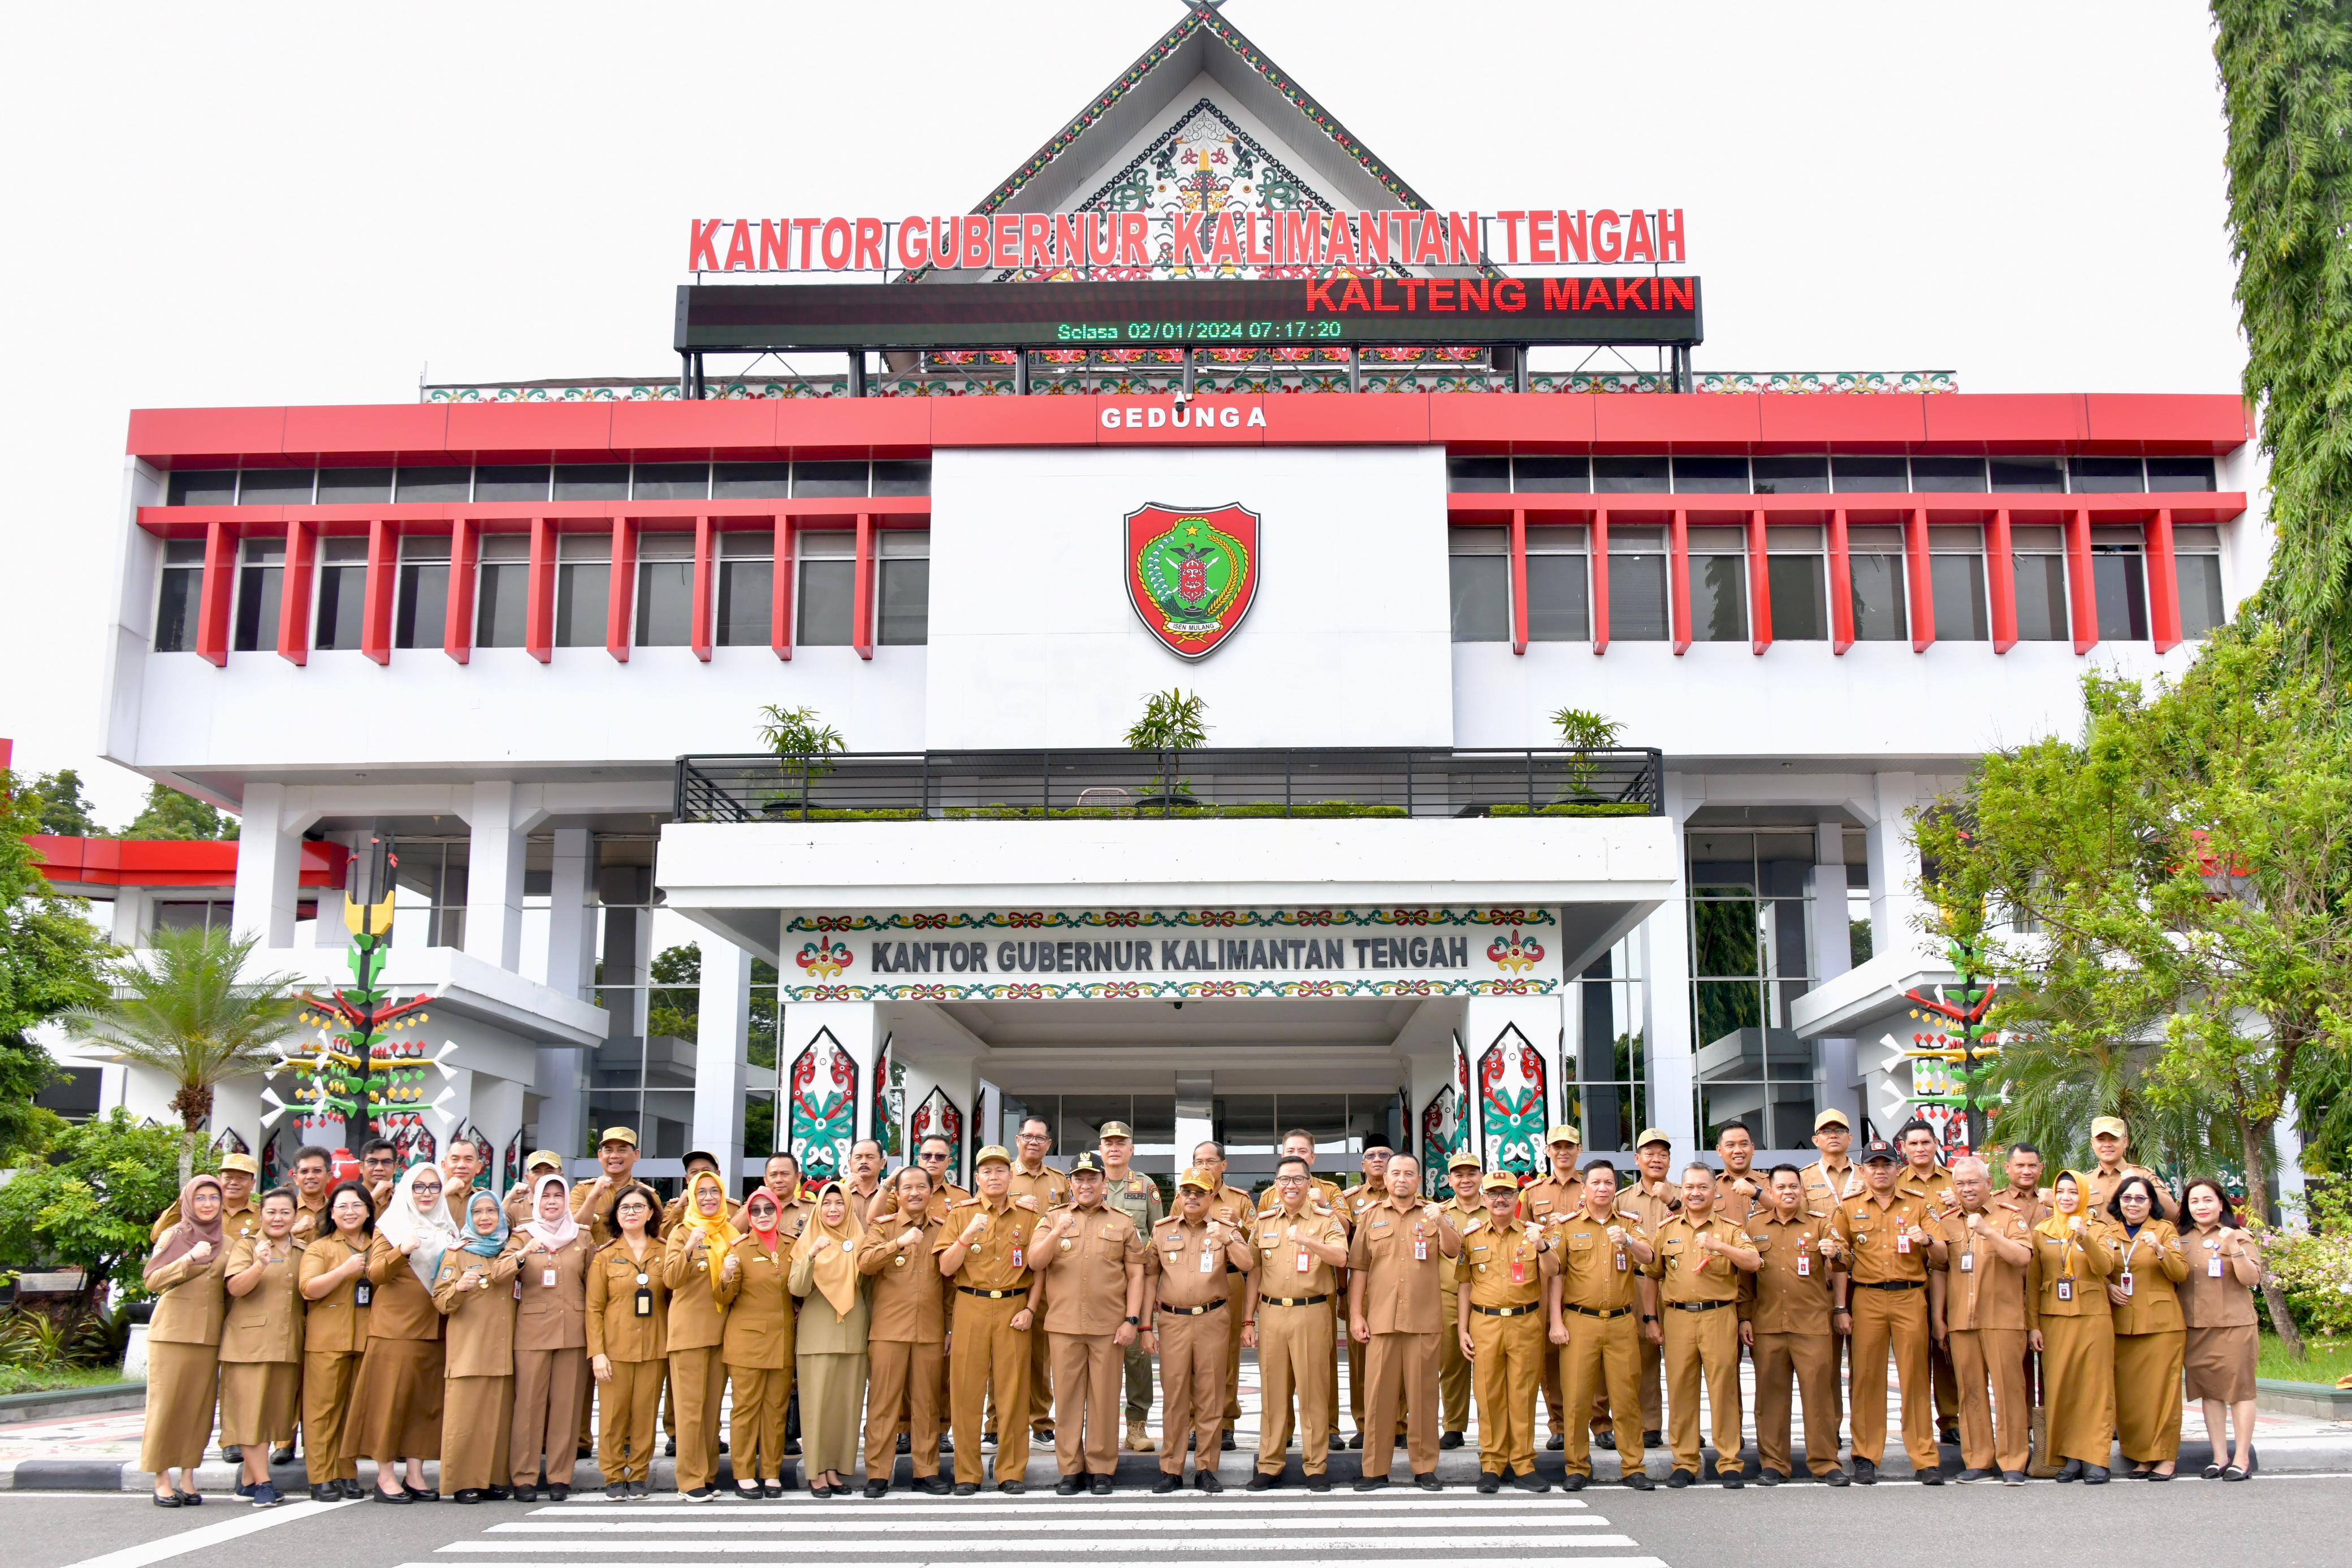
(1272, 781)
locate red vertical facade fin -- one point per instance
(1841, 584)
(294, 592)
(1600, 559)
(1923, 583)
(780, 605)
(2082, 597)
(861, 614)
(217, 594)
(1678, 595)
(539, 613)
(465, 558)
(621, 589)
(704, 543)
(1518, 581)
(383, 577)
(2000, 581)
(1759, 586)
(2163, 583)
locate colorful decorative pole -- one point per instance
(1958, 1038)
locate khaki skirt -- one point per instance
(2078, 1387)
(833, 1395)
(397, 1404)
(183, 1386)
(2220, 1362)
(259, 1401)
(2148, 1395)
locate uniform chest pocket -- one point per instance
(1580, 1244)
(1762, 1244)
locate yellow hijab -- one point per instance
(718, 1234)
(2059, 1226)
(833, 1248)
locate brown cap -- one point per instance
(1461, 1158)
(1198, 1178)
(2101, 1126)
(244, 1163)
(1653, 1136)
(1832, 1117)
(1564, 1134)
(1117, 1129)
(996, 1152)
(547, 1157)
(618, 1135)
(1499, 1181)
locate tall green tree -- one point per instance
(183, 1008)
(59, 808)
(2171, 893)
(169, 814)
(89, 1204)
(50, 960)
(2286, 86)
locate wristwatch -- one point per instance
(1136, 1323)
(1648, 1319)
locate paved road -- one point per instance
(2297, 1520)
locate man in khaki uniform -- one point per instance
(1371, 1189)
(592, 1201)
(2110, 1141)
(1597, 1255)
(1979, 1256)
(984, 1251)
(461, 1163)
(1924, 1180)
(1555, 1196)
(1231, 1206)
(1700, 1258)
(313, 1166)
(1137, 1198)
(1833, 1179)
(535, 1165)
(1298, 1142)
(1787, 1332)
(1497, 1326)
(1465, 1209)
(1185, 1290)
(1091, 1283)
(1882, 1304)
(1654, 1198)
(780, 1180)
(1036, 1187)
(1394, 1311)
(1738, 1192)
(1301, 1245)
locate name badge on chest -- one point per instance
(644, 1297)
(363, 1292)
(2125, 1283)
(2065, 1289)
(2213, 1268)
(1208, 1259)
(546, 1279)
(1968, 1263)
(1305, 1261)
(1518, 1271)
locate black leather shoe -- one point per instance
(770, 1490)
(1427, 1481)
(1010, 1489)
(1932, 1475)
(1678, 1478)
(1206, 1481)
(558, 1493)
(1225, 1442)
(1949, 1437)
(383, 1496)
(966, 1489)
(230, 1453)
(1041, 1434)
(326, 1491)
(878, 1488)
(2095, 1475)
(1450, 1440)
(2012, 1478)
(1767, 1478)
(1639, 1480)
(1489, 1482)
(2072, 1470)
(1600, 1440)
(1866, 1472)
(1355, 1440)
(526, 1494)
(197, 1500)
(171, 1499)
(581, 1452)
(284, 1456)
(1528, 1481)
(1837, 1478)
(433, 1494)
(1968, 1476)
(1318, 1483)
(669, 1448)
(1261, 1481)
(937, 1486)
(1099, 1486)
(617, 1491)
(1167, 1484)
(496, 1494)
(905, 1444)
(1730, 1481)
(467, 1495)
(1573, 1482)
(1555, 1443)
(1069, 1486)
(1372, 1483)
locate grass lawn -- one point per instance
(39, 1380)
(2328, 1360)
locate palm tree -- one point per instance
(181, 1008)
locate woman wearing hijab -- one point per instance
(692, 1262)
(2224, 1343)
(551, 1341)
(757, 1345)
(183, 1337)
(2073, 1327)
(830, 1341)
(628, 1302)
(2150, 1336)
(334, 1336)
(906, 1335)
(399, 1395)
(475, 1295)
(261, 1344)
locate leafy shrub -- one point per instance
(2312, 1262)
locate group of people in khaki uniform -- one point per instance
(406, 1316)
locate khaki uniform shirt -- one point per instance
(2207, 1302)
(266, 1322)
(2103, 1187)
(402, 1307)
(1397, 1245)
(1279, 1273)
(1684, 1272)
(1049, 1187)
(758, 1305)
(1464, 1215)
(1788, 1302)
(1000, 1259)
(1594, 1275)
(2027, 1207)
(615, 1330)
(1933, 1190)
(1553, 1197)
(2086, 1262)
(1826, 1188)
(1189, 1268)
(597, 1216)
(1327, 1193)
(1871, 1229)
(2156, 1264)
(1653, 1204)
(310, 1219)
(1735, 1206)
(908, 1297)
(194, 1299)
(1503, 1266)
(697, 1319)
(945, 1195)
(1233, 1205)
(479, 1324)
(551, 1316)
(335, 1324)
(1086, 1271)
(1982, 1289)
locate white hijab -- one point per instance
(403, 1219)
(559, 1235)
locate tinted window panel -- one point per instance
(1948, 473)
(817, 479)
(2095, 475)
(522, 483)
(1629, 475)
(2200, 594)
(583, 594)
(1554, 474)
(257, 591)
(902, 478)
(904, 603)
(1478, 474)
(1959, 583)
(1878, 599)
(826, 611)
(1637, 598)
(672, 482)
(1718, 598)
(354, 486)
(665, 604)
(202, 488)
(2181, 473)
(1790, 476)
(175, 609)
(592, 482)
(1481, 588)
(421, 619)
(1558, 599)
(2120, 585)
(1711, 475)
(342, 595)
(499, 601)
(275, 486)
(743, 480)
(1801, 605)
(433, 484)
(746, 595)
(2037, 475)
(2042, 598)
(1869, 471)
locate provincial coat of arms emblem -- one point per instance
(1191, 572)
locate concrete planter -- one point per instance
(2323, 1400)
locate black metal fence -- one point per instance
(1000, 785)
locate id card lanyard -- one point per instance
(2066, 1262)
(363, 1292)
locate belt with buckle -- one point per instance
(1503, 1311)
(1890, 1284)
(991, 1295)
(1295, 1300)
(1596, 1313)
(1696, 1306)
(1191, 1311)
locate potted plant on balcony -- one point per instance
(801, 745)
(1173, 723)
(1582, 733)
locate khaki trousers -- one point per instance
(755, 1422)
(1601, 1359)
(1087, 1373)
(902, 1387)
(1555, 1402)
(987, 1357)
(477, 1431)
(1234, 1283)
(696, 1380)
(1509, 1367)
(328, 1377)
(1995, 1422)
(1401, 1369)
(1454, 1372)
(1294, 1355)
(1040, 1382)
(548, 1386)
(1813, 1360)
(1893, 1321)
(1705, 1344)
(1193, 1389)
(626, 1404)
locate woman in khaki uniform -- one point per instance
(398, 1399)
(830, 1341)
(906, 1335)
(2073, 1327)
(756, 1348)
(551, 1341)
(2217, 1307)
(2150, 1336)
(475, 1296)
(627, 1303)
(261, 1344)
(183, 1343)
(692, 1260)
(334, 1335)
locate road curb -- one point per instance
(67, 1475)
(59, 1403)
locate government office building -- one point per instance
(527, 631)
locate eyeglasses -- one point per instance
(933, 1159)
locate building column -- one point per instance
(561, 1080)
(1666, 998)
(826, 1052)
(721, 1034)
(1517, 1038)
(268, 865)
(494, 1111)
(1431, 1068)
(1832, 944)
(130, 921)
(498, 834)
(1894, 903)
(237, 1108)
(942, 1092)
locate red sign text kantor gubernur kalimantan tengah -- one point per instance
(1057, 242)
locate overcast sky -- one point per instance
(313, 204)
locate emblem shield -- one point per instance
(1191, 572)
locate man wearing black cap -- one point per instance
(1882, 1301)
(1089, 1282)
